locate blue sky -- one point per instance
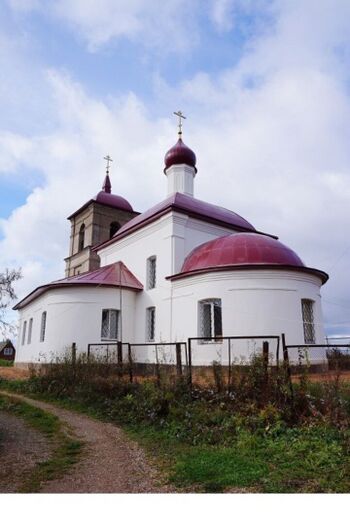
(265, 87)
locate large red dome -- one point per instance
(240, 249)
(180, 154)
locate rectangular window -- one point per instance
(43, 327)
(150, 323)
(307, 307)
(8, 351)
(30, 329)
(151, 272)
(24, 332)
(110, 324)
(210, 318)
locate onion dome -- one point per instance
(180, 154)
(106, 197)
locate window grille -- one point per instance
(24, 332)
(151, 272)
(307, 307)
(110, 324)
(150, 323)
(43, 327)
(210, 318)
(8, 351)
(30, 329)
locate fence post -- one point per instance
(287, 367)
(88, 352)
(178, 360)
(157, 367)
(189, 373)
(229, 365)
(266, 360)
(74, 359)
(120, 357)
(130, 363)
(74, 353)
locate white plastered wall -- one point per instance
(73, 315)
(170, 239)
(264, 302)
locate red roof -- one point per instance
(116, 274)
(190, 206)
(180, 154)
(242, 251)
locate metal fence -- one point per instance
(317, 358)
(206, 355)
(143, 359)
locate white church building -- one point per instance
(184, 268)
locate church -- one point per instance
(184, 268)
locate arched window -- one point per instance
(114, 227)
(43, 327)
(81, 237)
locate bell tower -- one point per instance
(95, 222)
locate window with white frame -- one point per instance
(151, 272)
(43, 327)
(307, 308)
(30, 329)
(150, 323)
(24, 332)
(8, 351)
(110, 324)
(210, 318)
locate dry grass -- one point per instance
(14, 373)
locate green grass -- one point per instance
(203, 446)
(65, 451)
(4, 362)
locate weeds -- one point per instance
(245, 434)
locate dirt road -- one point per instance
(111, 462)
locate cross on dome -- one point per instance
(109, 160)
(181, 116)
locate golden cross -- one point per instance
(181, 116)
(108, 159)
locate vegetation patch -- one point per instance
(256, 435)
(66, 450)
(4, 362)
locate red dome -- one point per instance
(106, 197)
(115, 201)
(180, 154)
(240, 249)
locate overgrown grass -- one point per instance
(253, 437)
(4, 362)
(65, 452)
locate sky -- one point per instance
(265, 86)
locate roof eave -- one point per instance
(302, 269)
(40, 290)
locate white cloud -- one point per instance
(166, 26)
(274, 131)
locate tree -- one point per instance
(7, 295)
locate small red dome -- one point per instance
(115, 201)
(240, 249)
(180, 154)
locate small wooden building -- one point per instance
(7, 351)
